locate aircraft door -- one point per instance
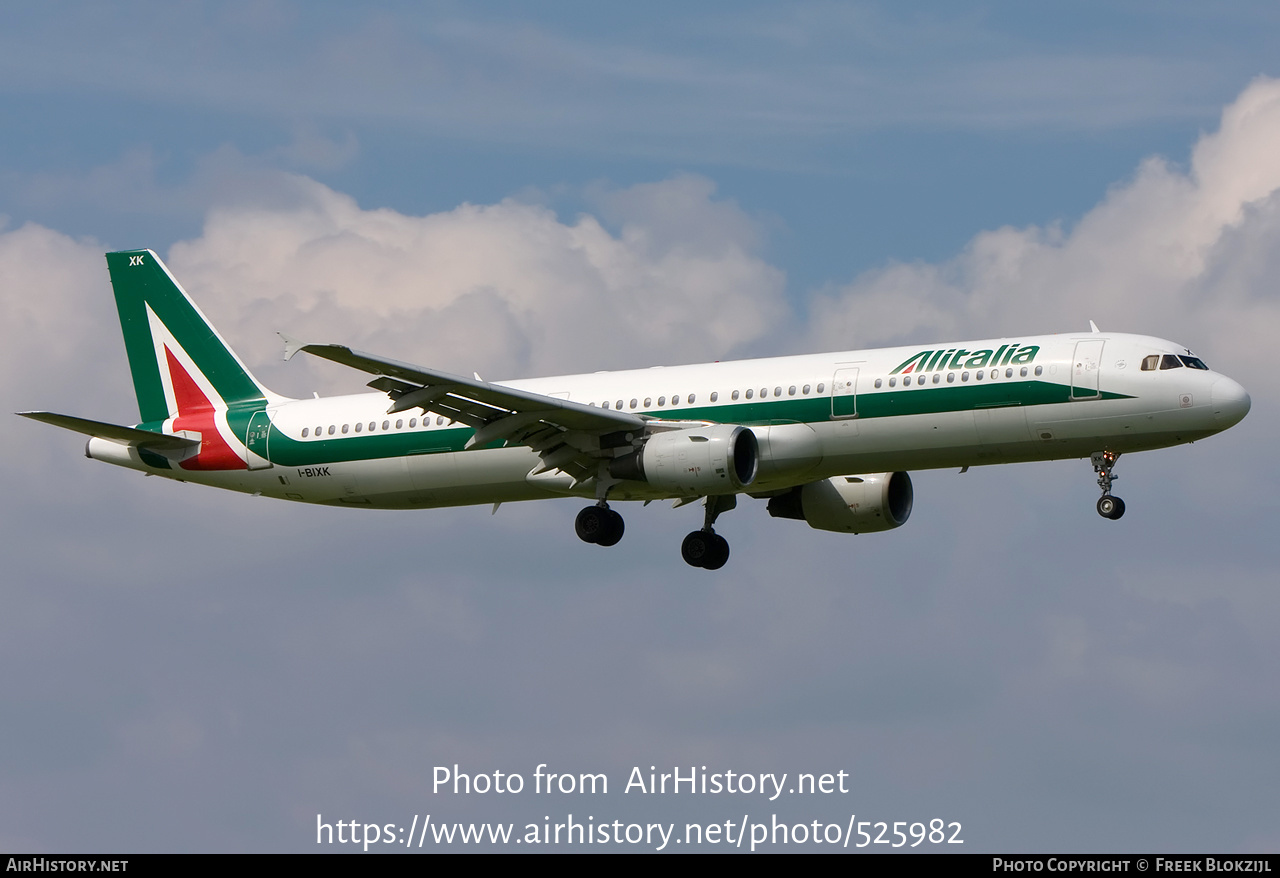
(255, 441)
(1085, 369)
(844, 393)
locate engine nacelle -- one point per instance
(849, 504)
(719, 459)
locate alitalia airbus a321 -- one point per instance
(823, 438)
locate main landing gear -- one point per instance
(1108, 506)
(600, 525)
(705, 548)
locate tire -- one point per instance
(614, 529)
(1110, 507)
(592, 524)
(719, 553)
(695, 549)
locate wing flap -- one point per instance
(566, 435)
(480, 399)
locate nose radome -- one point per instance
(1230, 401)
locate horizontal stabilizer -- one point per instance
(115, 433)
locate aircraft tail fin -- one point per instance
(180, 364)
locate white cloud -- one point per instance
(508, 289)
(58, 317)
(1188, 254)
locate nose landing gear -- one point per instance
(1103, 462)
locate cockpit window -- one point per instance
(1193, 363)
(1151, 363)
(1169, 361)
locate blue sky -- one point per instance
(518, 191)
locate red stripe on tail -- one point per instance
(197, 413)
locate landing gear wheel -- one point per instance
(613, 532)
(719, 553)
(599, 525)
(591, 524)
(1110, 507)
(694, 549)
(705, 549)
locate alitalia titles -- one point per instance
(959, 358)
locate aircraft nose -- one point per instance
(1230, 402)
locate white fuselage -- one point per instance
(815, 416)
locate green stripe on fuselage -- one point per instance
(814, 409)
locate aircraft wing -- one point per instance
(115, 433)
(568, 435)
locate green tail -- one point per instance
(171, 344)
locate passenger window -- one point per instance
(693, 397)
(777, 391)
(332, 429)
(964, 376)
(440, 420)
(675, 400)
(920, 379)
(618, 405)
(735, 394)
(936, 377)
(372, 426)
(878, 383)
(634, 403)
(893, 382)
(750, 393)
(1039, 371)
(305, 430)
(1169, 361)
(715, 395)
(399, 423)
(805, 389)
(344, 428)
(820, 386)
(791, 391)
(648, 402)
(386, 425)
(413, 422)
(1023, 373)
(951, 377)
(1151, 363)
(1008, 373)
(978, 376)
(358, 427)
(764, 393)
(662, 400)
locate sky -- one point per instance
(523, 191)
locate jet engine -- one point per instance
(849, 504)
(718, 459)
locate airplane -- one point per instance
(827, 439)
